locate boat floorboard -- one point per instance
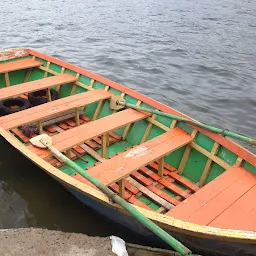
(227, 201)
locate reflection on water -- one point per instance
(196, 56)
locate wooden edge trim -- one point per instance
(230, 145)
(164, 221)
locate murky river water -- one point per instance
(196, 56)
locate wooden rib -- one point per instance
(216, 159)
(49, 96)
(150, 194)
(91, 83)
(104, 145)
(92, 152)
(161, 167)
(74, 85)
(99, 106)
(186, 154)
(128, 127)
(121, 188)
(29, 72)
(88, 87)
(68, 153)
(173, 124)
(59, 86)
(48, 67)
(77, 116)
(158, 124)
(40, 126)
(239, 161)
(7, 79)
(207, 167)
(148, 130)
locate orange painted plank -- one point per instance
(79, 177)
(150, 173)
(18, 65)
(52, 108)
(155, 167)
(92, 144)
(97, 139)
(123, 165)
(70, 122)
(160, 193)
(173, 188)
(63, 126)
(19, 134)
(50, 129)
(247, 225)
(131, 188)
(239, 215)
(142, 179)
(79, 150)
(135, 201)
(85, 118)
(208, 212)
(36, 85)
(207, 193)
(188, 184)
(87, 131)
(115, 187)
(114, 135)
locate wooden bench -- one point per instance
(123, 165)
(52, 108)
(85, 132)
(19, 89)
(226, 202)
(18, 65)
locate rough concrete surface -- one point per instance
(32, 242)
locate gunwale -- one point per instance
(166, 221)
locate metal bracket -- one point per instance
(117, 102)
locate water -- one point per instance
(198, 57)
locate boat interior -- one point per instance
(151, 161)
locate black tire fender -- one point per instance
(6, 105)
(39, 97)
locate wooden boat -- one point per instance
(197, 185)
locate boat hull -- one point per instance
(199, 245)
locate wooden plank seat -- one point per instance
(226, 202)
(85, 132)
(19, 89)
(18, 65)
(52, 108)
(123, 165)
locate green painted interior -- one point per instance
(195, 165)
(196, 161)
(215, 171)
(149, 203)
(227, 155)
(204, 141)
(113, 149)
(249, 167)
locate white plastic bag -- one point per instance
(118, 246)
